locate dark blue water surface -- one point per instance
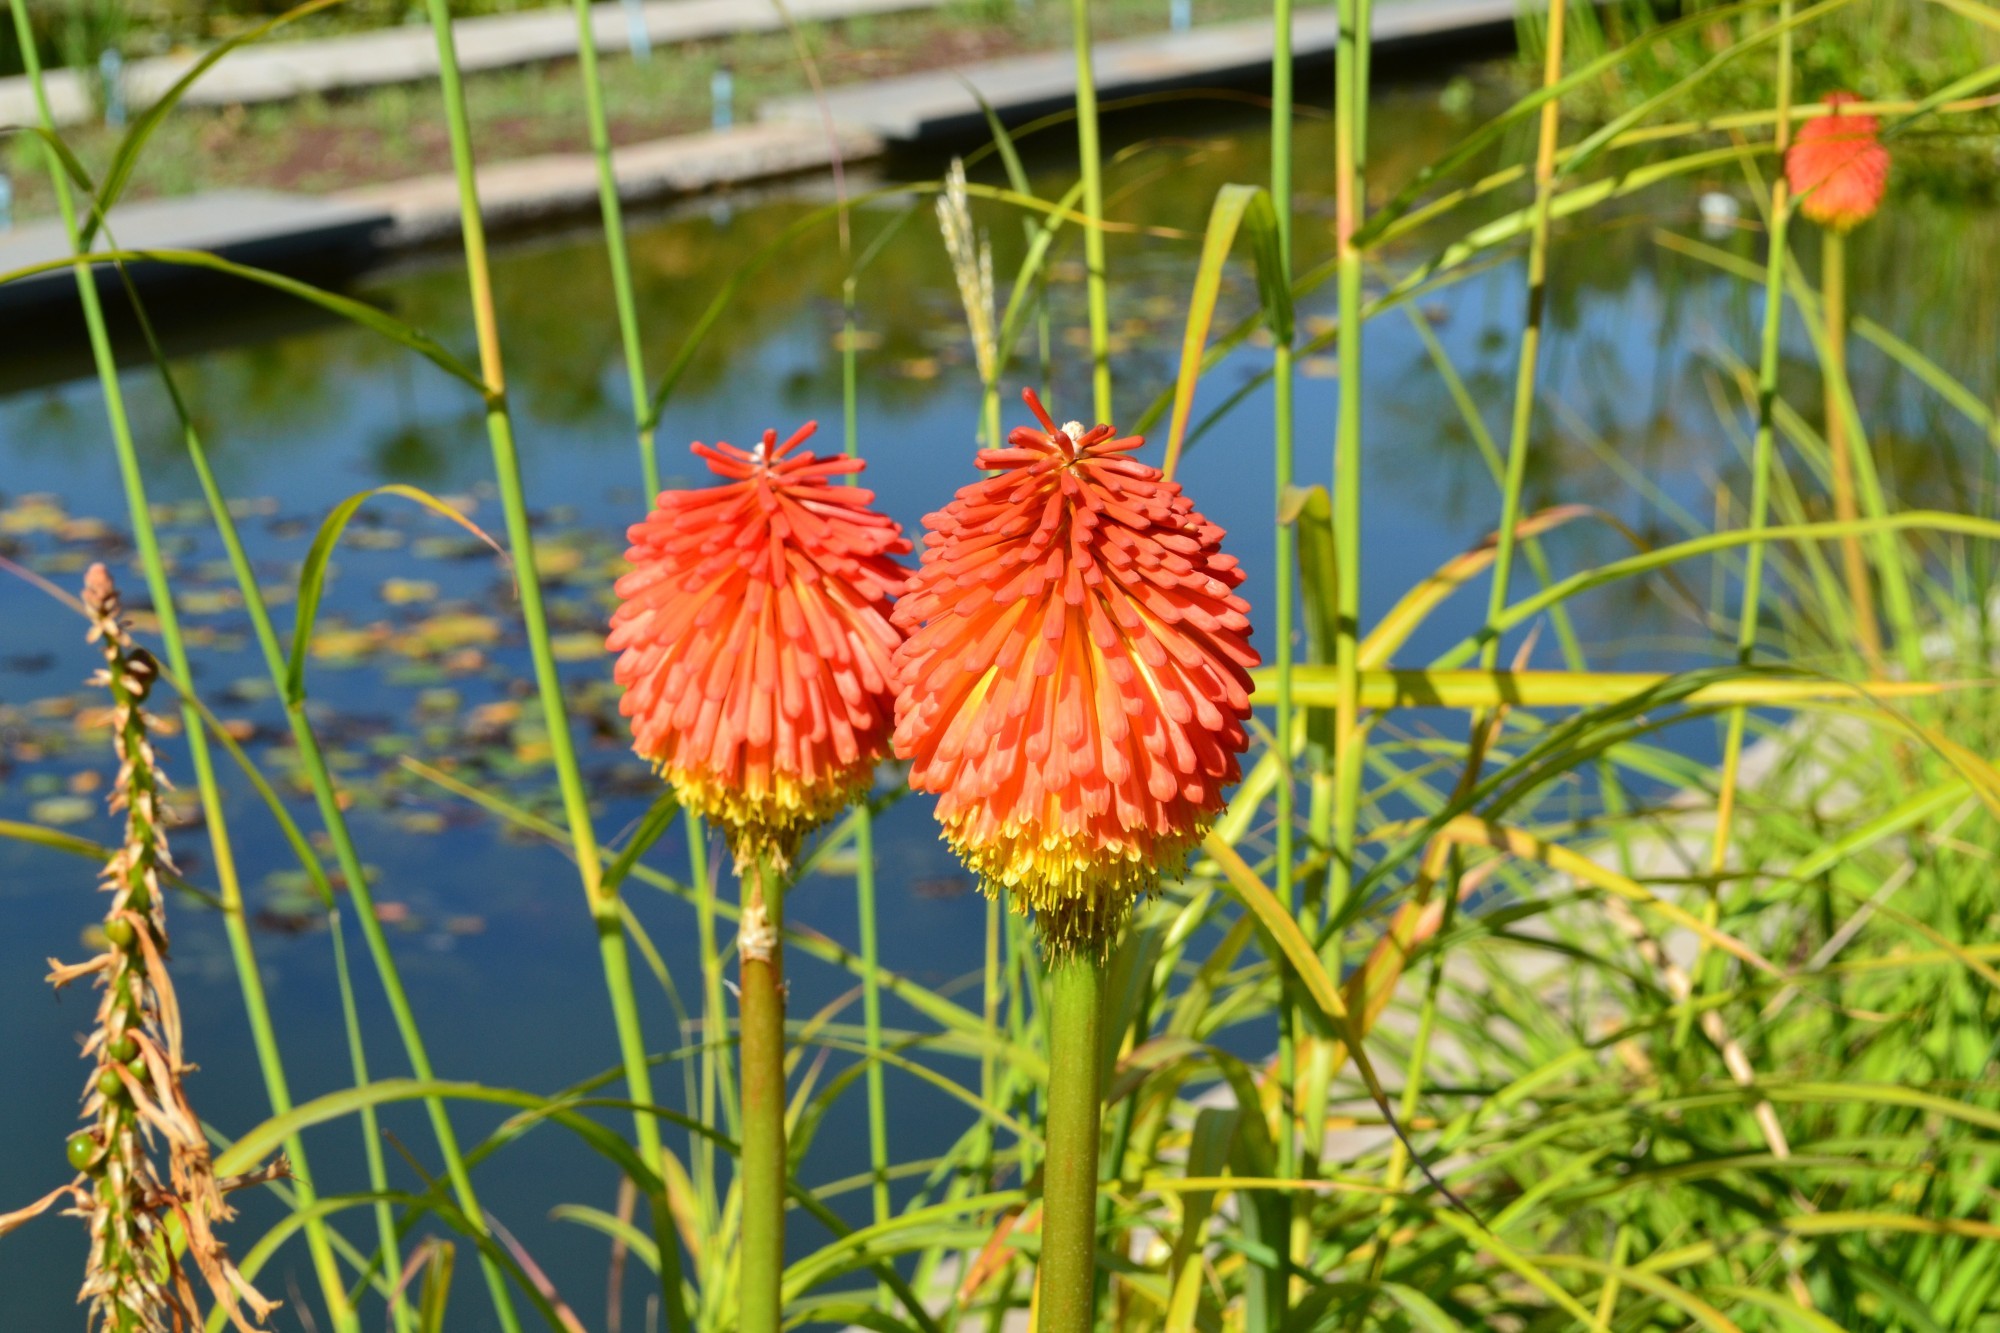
(492, 934)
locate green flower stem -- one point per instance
(1068, 1298)
(1093, 212)
(243, 954)
(603, 906)
(1840, 446)
(762, 971)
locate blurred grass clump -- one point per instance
(1882, 50)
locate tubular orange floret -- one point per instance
(1076, 676)
(1838, 167)
(755, 644)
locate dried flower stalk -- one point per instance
(133, 1281)
(972, 267)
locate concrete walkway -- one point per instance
(279, 70)
(940, 102)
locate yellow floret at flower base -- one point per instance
(774, 814)
(1076, 889)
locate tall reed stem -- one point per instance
(249, 976)
(1350, 125)
(1068, 1299)
(604, 908)
(615, 250)
(1091, 153)
(1528, 366)
(1840, 446)
(1761, 461)
(1761, 450)
(326, 797)
(864, 839)
(760, 952)
(1285, 538)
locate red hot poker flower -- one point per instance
(755, 644)
(1075, 681)
(1838, 167)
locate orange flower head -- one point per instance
(1076, 677)
(754, 641)
(1838, 167)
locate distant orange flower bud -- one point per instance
(754, 641)
(1838, 167)
(1075, 681)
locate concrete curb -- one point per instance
(540, 190)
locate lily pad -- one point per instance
(579, 647)
(59, 810)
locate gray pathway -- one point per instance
(279, 70)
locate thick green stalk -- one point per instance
(1840, 447)
(1093, 210)
(615, 250)
(263, 1036)
(603, 906)
(761, 957)
(1350, 116)
(1068, 1299)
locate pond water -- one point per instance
(420, 654)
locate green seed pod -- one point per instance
(83, 1150)
(109, 1085)
(120, 933)
(124, 1050)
